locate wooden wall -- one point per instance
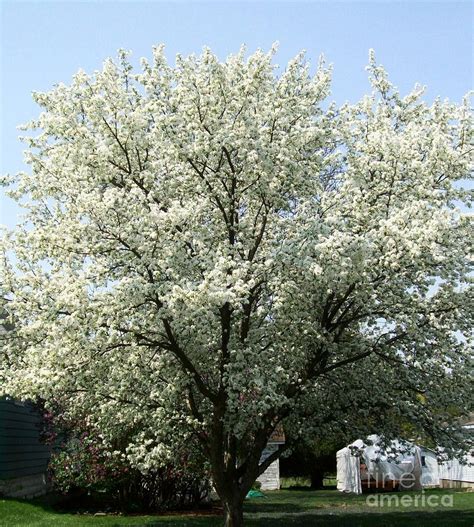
(270, 479)
(23, 458)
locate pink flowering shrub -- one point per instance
(81, 465)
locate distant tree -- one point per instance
(311, 459)
(208, 251)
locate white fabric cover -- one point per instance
(404, 467)
(348, 472)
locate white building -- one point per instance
(270, 479)
(453, 473)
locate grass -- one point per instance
(325, 508)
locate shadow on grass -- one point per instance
(189, 522)
(299, 502)
(393, 519)
(326, 491)
(280, 509)
(389, 519)
(263, 506)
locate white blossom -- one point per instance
(209, 250)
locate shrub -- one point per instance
(82, 465)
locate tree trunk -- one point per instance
(233, 512)
(317, 479)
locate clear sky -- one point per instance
(47, 42)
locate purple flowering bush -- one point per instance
(83, 468)
(82, 463)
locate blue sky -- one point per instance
(47, 42)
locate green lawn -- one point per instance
(326, 508)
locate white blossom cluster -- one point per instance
(209, 250)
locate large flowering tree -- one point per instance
(209, 250)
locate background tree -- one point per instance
(313, 460)
(208, 252)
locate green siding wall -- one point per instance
(21, 452)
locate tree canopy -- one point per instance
(211, 249)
